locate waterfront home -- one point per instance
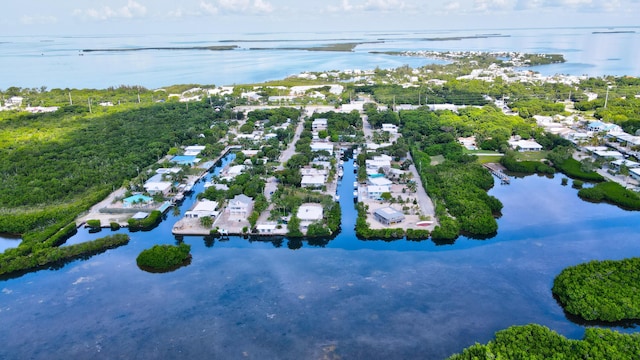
(624, 138)
(312, 181)
(377, 163)
(608, 154)
(309, 213)
(374, 192)
(203, 208)
(194, 150)
(617, 164)
(266, 228)
(525, 145)
(156, 185)
(388, 216)
(321, 146)
(240, 207)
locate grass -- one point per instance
(438, 159)
(531, 155)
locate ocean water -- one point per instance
(58, 61)
(337, 298)
(282, 299)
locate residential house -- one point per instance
(319, 124)
(240, 207)
(320, 146)
(388, 216)
(203, 208)
(312, 181)
(525, 145)
(390, 128)
(156, 185)
(309, 213)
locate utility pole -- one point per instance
(70, 100)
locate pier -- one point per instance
(496, 170)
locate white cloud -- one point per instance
(236, 7)
(369, 5)
(131, 10)
(208, 8)
(38, 19)
(492, 5)
(452, 6)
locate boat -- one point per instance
(424, 223)
(355, 184)
(337, 197)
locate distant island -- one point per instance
(212, 48)
(347, 47)
(615, 32)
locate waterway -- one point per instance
(244, 298)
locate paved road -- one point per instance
(424, 201)
(288, 153)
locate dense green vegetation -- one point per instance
(458, 186)
(510, 162)
(15, 263)
(538, 342)
(147, 223)
(572, 167)
(601, 290)
(162, 258)
(54, 166)
(613, 193)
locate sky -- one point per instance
(80, 17)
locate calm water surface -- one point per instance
(354, 299)
(57, 61)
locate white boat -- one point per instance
(355, 184)
(424, 223)
(337, 197)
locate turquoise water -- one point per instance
(55, 61)
(137, 198)
(286, 299)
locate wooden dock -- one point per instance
(496, 170)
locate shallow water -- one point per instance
(57, 61)
(350, 298)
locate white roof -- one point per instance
(609, 153)
(312, 180)
(157, 186)
(380, 181)
(266, 226)
(525, 144)
(205, 206)
(377, 189)
(627, 163)
(321, 146)
(310, 212)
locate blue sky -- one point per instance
(74, 17)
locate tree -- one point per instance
(206, 221)
(386, 196)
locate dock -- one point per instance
(496, 170)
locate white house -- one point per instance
(203, 208)
(390, 128)
(525, 145)
(635, 173)
(312, 181)
(608, 154)
(617, 164)
(319, 124)
(375, 192)
(266, 228)
(319, 146)
(379, 181)
(378, 162)
(240, 206)
(194, 150)
(156, 185)
(14, 101)
(309, 213)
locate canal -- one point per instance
(345, 297)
